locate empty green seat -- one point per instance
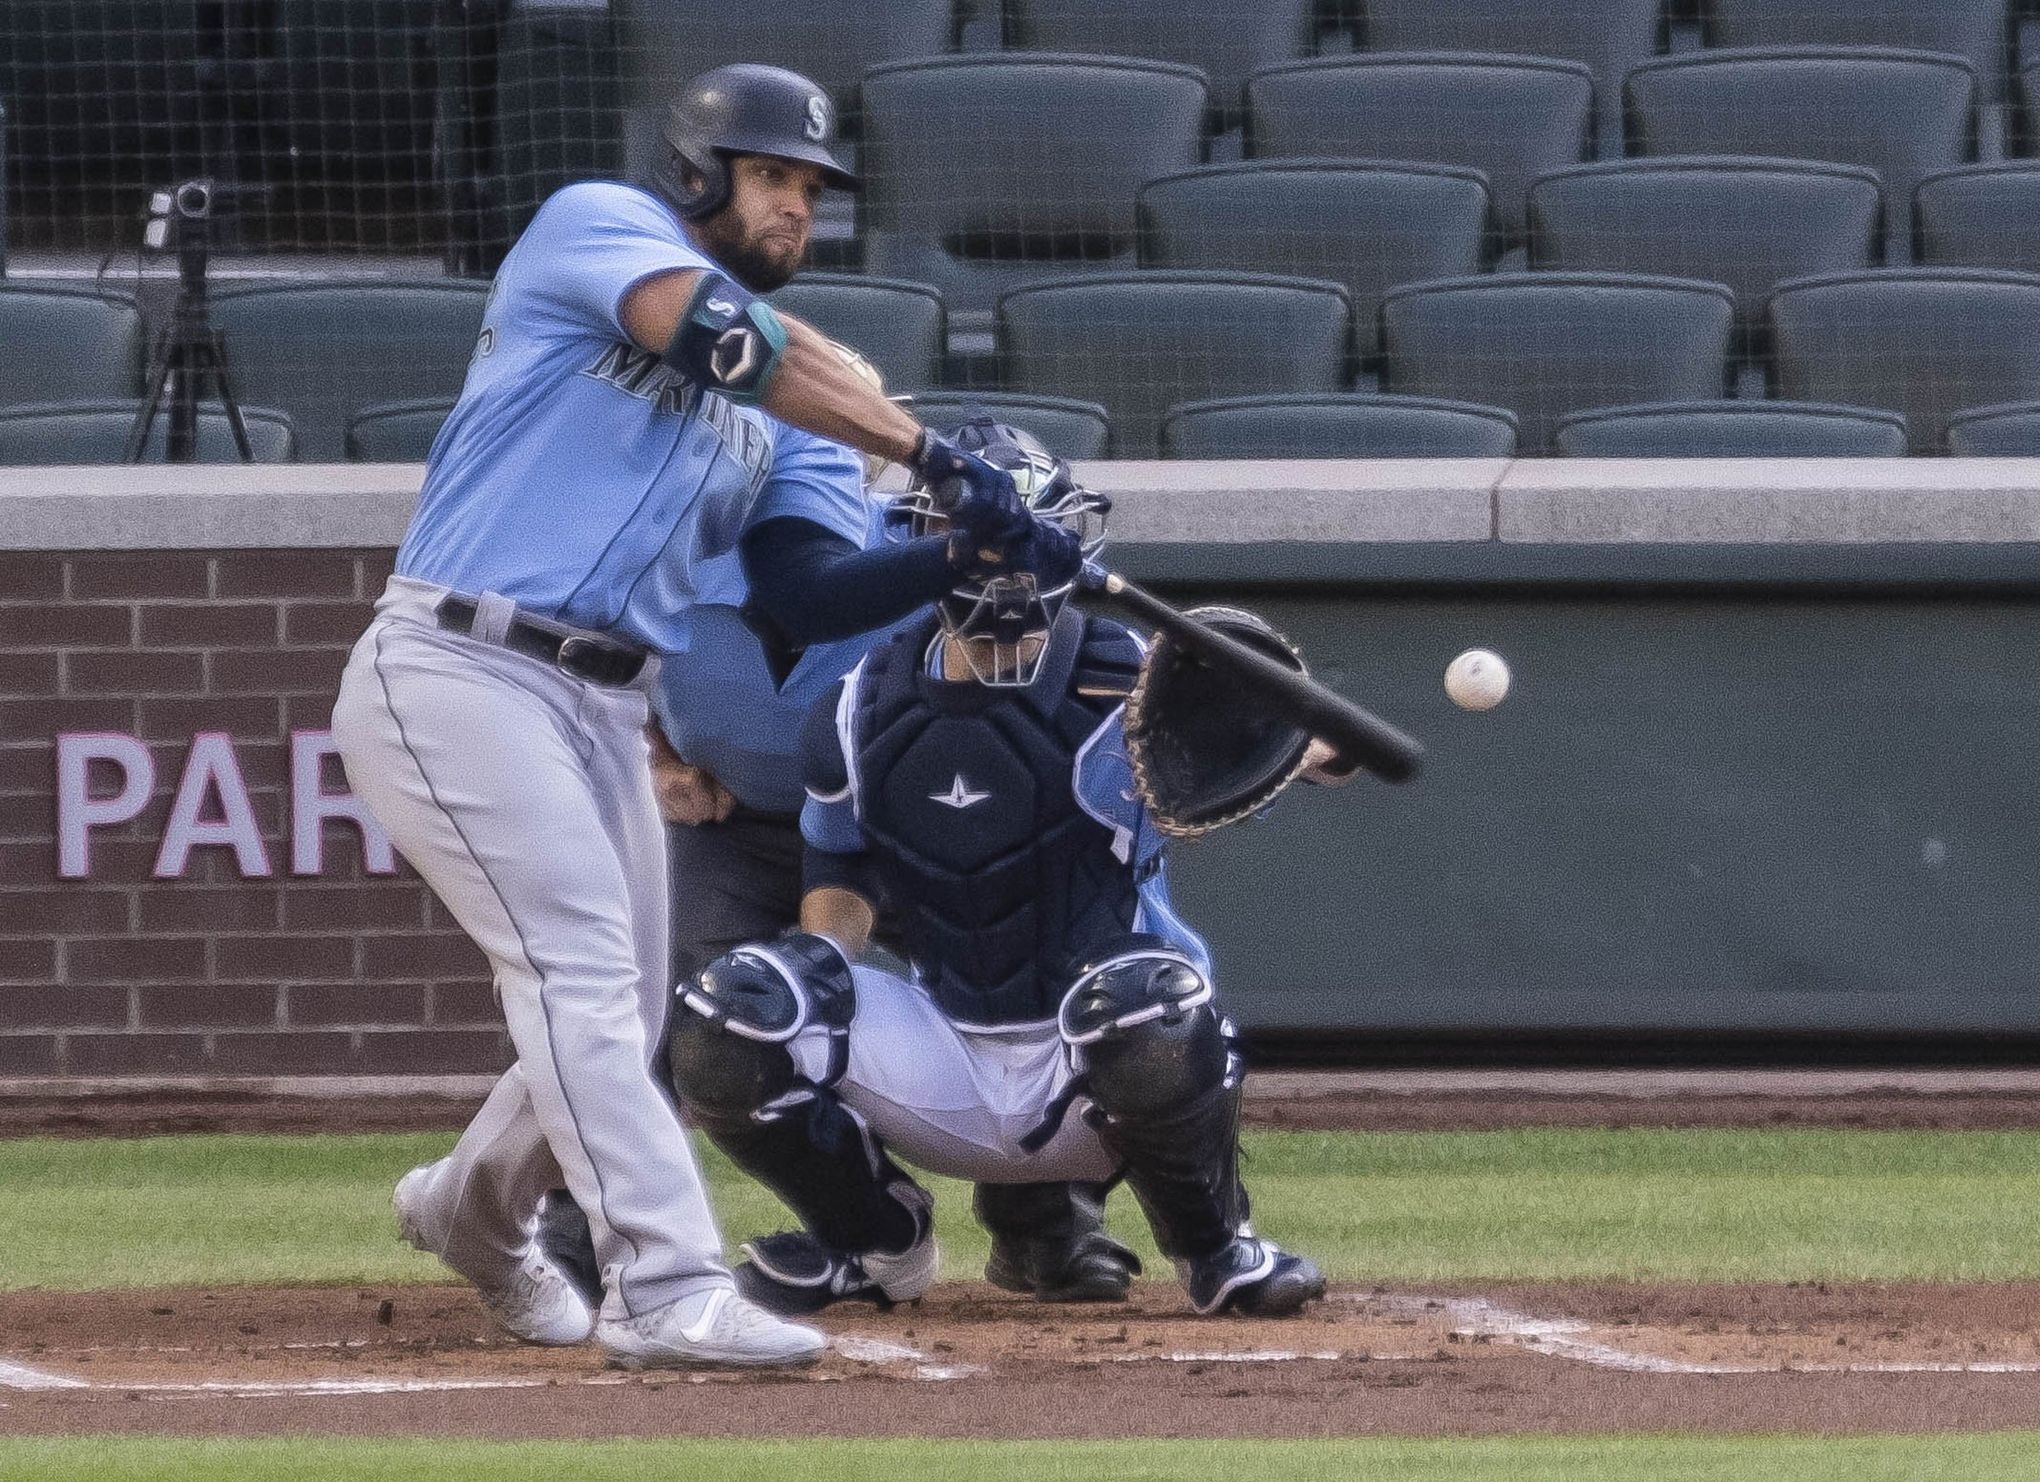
(1355, 425)
(66, 343)
(1546, 344)
(97, 432)
(397, 431)
(1733, 429)
(323, 351)
(1139, 343)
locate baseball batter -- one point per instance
(972, 775)
(638, 433)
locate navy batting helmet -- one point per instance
(744, 108)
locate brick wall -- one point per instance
(343, 971)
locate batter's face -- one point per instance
(762, 234)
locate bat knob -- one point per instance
(1094, 578)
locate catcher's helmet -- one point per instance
(744, 108)
(1004, 611)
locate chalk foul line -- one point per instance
(1557, 1337)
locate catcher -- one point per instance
(976, 774)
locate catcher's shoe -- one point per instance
(1093, 1267)
(714, 1329)
(793, 1272)
(1253, 1277)
(528, 1297)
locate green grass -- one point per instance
(1545, 1203)
(2001, 1458)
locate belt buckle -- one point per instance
(596, 661)
(580, 657)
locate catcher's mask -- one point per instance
(1003, 620)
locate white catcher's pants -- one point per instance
(953, 1100)
(524, 798)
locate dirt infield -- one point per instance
(971, 1361)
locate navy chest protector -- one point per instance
(1000, 881)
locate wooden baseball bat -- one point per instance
(1357, 734)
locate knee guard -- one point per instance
(728, 1048)
(1158, 1064)
(737, 1079)
(1142, 1031)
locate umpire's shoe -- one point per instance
(794, 1273)
(1092, 1267)
(1253, 1277)
(527, 1296)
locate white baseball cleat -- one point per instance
(712, 1329)
(530, 1298)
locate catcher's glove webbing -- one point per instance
(1203, 755)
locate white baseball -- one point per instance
(1477, 680)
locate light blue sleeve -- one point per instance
(1105, 790)
(817, 480)
(591, 243)
(831, 826)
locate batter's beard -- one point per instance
(748, 263)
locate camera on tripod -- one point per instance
(188, 354)
(181, 214)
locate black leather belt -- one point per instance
(609, 662)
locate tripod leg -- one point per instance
(160, 357)
(217, 358)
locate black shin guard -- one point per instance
(824, 1163)
(1168, 1096)
(736, 1079)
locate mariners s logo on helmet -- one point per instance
(817, 125)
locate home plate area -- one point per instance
(70, 1361)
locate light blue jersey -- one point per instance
(581, 476)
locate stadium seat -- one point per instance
(96, 431)
(1067, 428)
(1512, 118)
(1221, 38)
(669, 41)
(1744, 222)
(1367, 226)
(1922, 341)
(900, 327)
(985, 172)
(1337, 426)
(1732, 429)
(1974, 30)
(1545, 344)
(1139, 343)
(64, 343)
(1904, 114)
(2010, 430)
(1610, 36)
(396, 431)
(1985, 216)
(558, 113)
(323, 350)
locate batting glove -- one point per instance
(978, 497)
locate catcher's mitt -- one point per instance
(1203, 755)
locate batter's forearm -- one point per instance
(843, 916)
(811, 387)
(815, 389)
